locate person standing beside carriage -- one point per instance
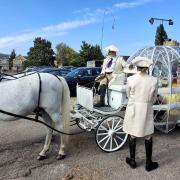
(112, 66)
(138, 122)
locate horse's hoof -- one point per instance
(40, 158)
(60, 157)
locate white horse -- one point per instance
(20, 96)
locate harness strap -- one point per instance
(37, 110)
(41, 122)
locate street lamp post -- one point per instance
(151, 20)
(113, 25)
(161, 35)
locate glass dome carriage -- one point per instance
(166, 67)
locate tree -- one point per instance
(89, 52)
(41, 53)
(97, 53)
(66, 56)
(11, 57)
(161, 35)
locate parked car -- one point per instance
(84, 76)
(35, 68)
(49, 69)
(55, 71)
(71, 68)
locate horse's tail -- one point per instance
(65, 108)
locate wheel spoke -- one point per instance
(111, 143)
(120, 138)
(108, 124)
(117, 124)
(116, 142)
(103, 128)
(100, 134)
(103, 139)
(118, 128)
(113, 123)
(106, 142)
(120, 133)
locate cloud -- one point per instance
(132, 4)
(84, 10)
(48, 31)
(69, 25)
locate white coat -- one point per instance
(117, 66)
(142, 93)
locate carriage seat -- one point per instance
(119, 88)
(118, 83)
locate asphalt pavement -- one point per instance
(21, 141)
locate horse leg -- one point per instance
(42, 154)
(61, 153)
(56, 117)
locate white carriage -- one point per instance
(107, 121)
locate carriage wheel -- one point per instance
(109, 134)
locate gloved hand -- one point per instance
(101, 76)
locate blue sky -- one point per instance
(72, 21)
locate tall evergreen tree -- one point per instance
(11, 57)
(161, 35)
(41, 53)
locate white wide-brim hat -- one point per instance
(111, 48)
(130, 71)
(141, 62)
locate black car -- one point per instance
(84, 76)
(55, 71)
(35, 68)
(48, 69)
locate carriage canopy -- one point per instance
(166, 67)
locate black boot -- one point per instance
(150, 165)
(132, 150)
(102, 96)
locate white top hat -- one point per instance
(111, 48)
(141, 62)
(130, 71)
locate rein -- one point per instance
(36, 120)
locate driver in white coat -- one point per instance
(138, 121)
(112, 66)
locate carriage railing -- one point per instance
(167, 107)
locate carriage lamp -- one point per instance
(151, 21)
